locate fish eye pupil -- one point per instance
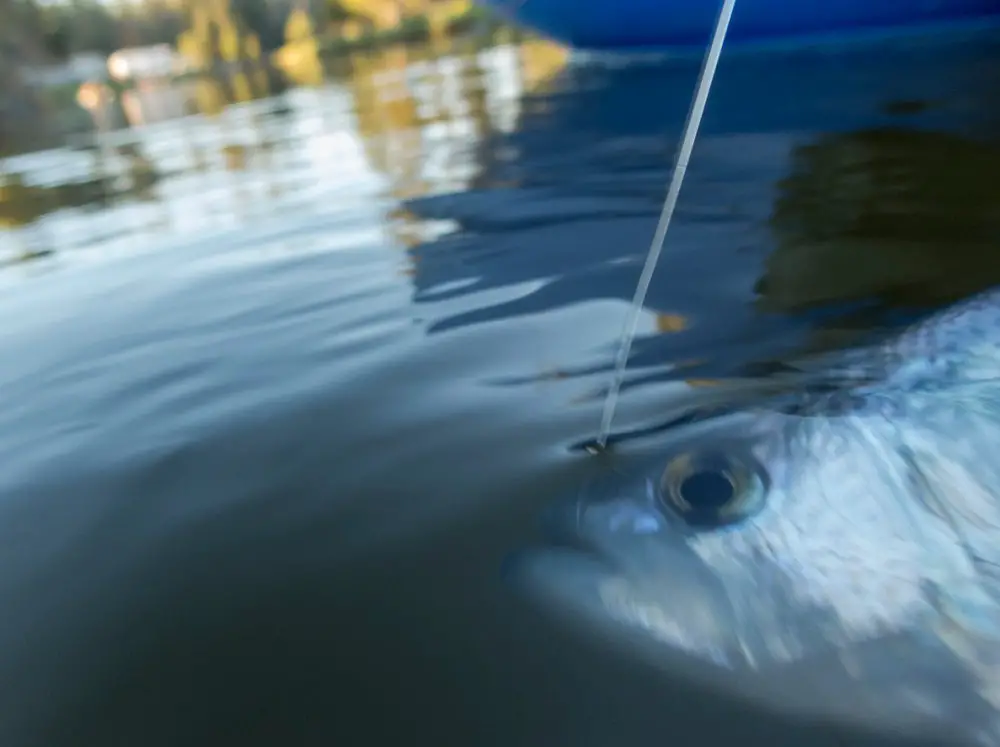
(712, 488)
(707, 490)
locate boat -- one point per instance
(625, 25)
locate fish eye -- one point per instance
(712, 488)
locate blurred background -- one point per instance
(116, 118)
(124, 123)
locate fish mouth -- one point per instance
(631, 576)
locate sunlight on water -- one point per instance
(395, 124)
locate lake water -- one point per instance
(279, 399)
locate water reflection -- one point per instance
(910, 215)
(506, 170)
(804, 218)
(406, 121)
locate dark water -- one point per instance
(270, 427)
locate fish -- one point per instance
(829, 551)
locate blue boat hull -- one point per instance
(680, 24)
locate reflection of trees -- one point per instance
(23, 203)
(299, 57)
(387, 117)
(910, 216)
(394, 121)
(390, 14)
(228, 54)
(217, 41)
(541, 61)
(20, 203)
(565, 212)
(427, 139)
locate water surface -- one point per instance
(284, 387)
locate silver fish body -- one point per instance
(829, 554)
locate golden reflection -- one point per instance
(386, 15)
(351, 30)
(92, 95)
(421, 114)
(241, 88)
(235, 157)
(387, 118)
(210, 96)
(20, 203)
(299, 57)
(541, 61)
(669, 323)
(442, 14)
(23, 203)
(906, 215)
(223, 55)
(216, 35)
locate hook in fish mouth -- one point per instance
(597, 447)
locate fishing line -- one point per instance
(690, 133)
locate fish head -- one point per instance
(808, 563)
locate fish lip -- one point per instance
(616, 596)
(692, 601)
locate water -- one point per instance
(274, 417)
